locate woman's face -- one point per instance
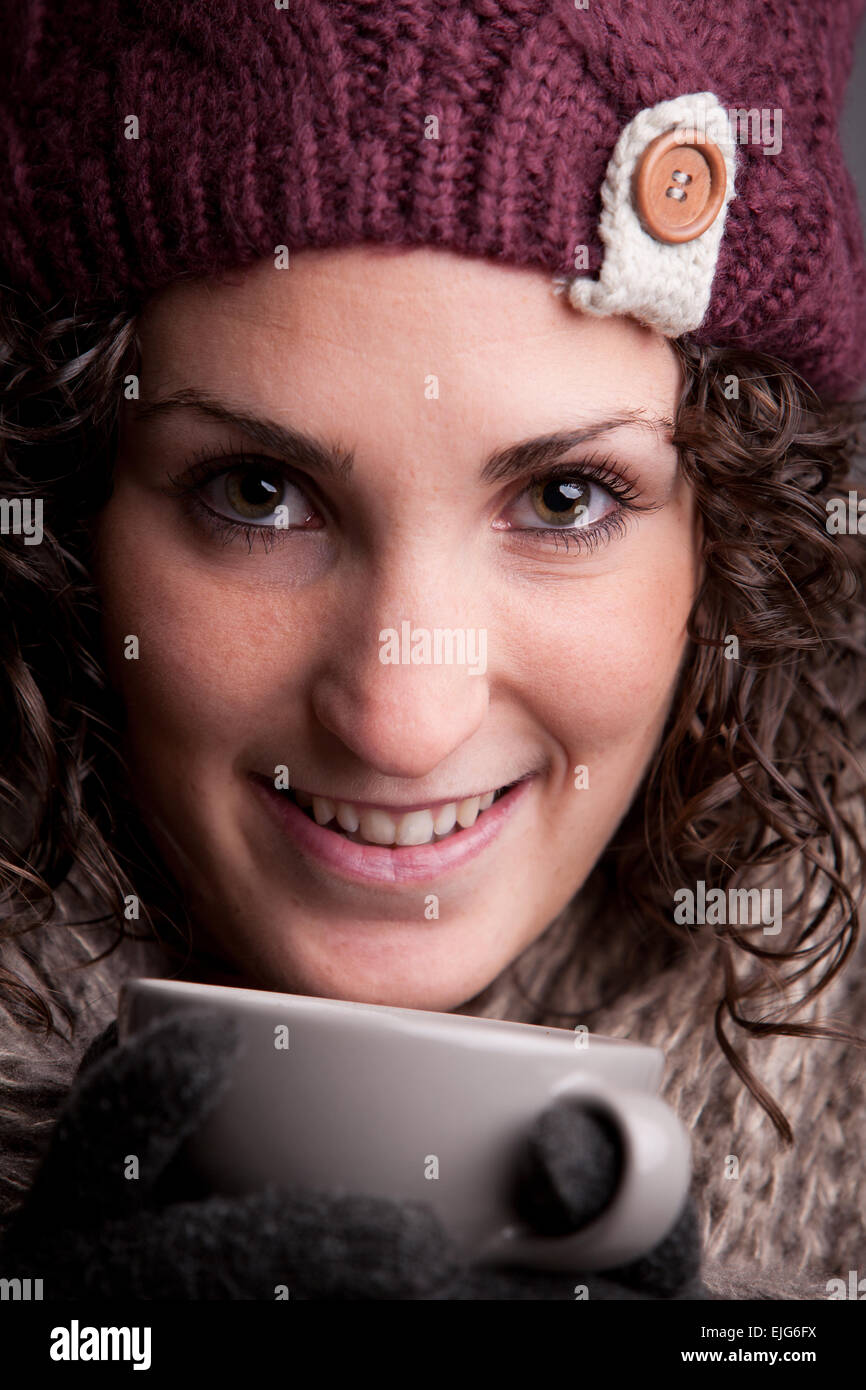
(371, 592)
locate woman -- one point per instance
(406, 628)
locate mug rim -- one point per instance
(415, 1018)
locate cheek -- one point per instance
(614, 656)
(207, 652)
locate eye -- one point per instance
(257, 494)
(567, 502)
(563, 502)
(581, 505)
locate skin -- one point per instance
(253, 657)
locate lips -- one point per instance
(333, 849)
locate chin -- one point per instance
(367, 979)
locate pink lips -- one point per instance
(376, 863)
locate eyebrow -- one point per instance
(330, 461)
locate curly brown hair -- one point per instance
(758, 765)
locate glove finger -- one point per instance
(570, 1169)
(139, 1101)
(302, 1244)
(673, 1263)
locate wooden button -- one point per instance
(679, 185)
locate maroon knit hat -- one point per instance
(144, 142)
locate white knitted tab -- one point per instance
(662, 284)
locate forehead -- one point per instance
(369, 325)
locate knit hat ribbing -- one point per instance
(310, 125)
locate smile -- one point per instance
(376, 825)
(389, 845)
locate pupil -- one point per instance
(561, 497)
(256, 490)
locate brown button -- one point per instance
(679, 185)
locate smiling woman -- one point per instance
(257, 650)
(627, 660)
(446, 512)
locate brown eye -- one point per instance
(258, 495)
(561, 501)
(253, 492)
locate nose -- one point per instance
(404, 717)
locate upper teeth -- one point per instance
(382, 828)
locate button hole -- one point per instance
(680, 177)
(677, 193)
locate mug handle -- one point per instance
(656, 1171)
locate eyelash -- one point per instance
(203, 465)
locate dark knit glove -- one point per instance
(90, 1231)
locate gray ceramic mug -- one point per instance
(436, 1107)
